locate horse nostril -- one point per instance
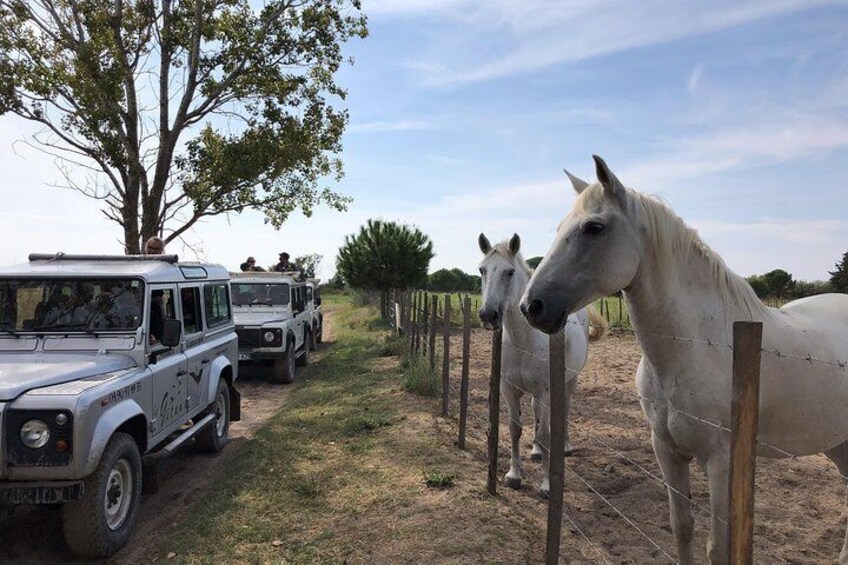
(535, 308)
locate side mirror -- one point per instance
(171, 333)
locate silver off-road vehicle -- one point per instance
(103, 360)
(274, 322)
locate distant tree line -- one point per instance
(453, 280)
(780, 284)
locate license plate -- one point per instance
(244, 356)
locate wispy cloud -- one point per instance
(695, 78)
(536, 33)
(386, 126)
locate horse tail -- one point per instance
(597, 324)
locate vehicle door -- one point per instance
(309, 305)
(299, 313)
(196, 350)
(168, 365)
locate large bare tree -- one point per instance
(170, 111)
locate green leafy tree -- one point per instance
(533, 262)
(307, 265)
(453, 280)
(385, 255)
(839, 277)
(126, 92)
(774, 284)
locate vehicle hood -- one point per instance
(21, 373)
(259, 318)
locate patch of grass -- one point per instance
(307, 488)
(418, 378)
(394, 346)
(438, 479)
(368, 423)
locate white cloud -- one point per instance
(384, 126)
(695, 78)
(536, 33)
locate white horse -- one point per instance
(615, 238)
(525, 367)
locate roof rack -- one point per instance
(124, 258)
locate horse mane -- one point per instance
(503, 249)
(672, 237)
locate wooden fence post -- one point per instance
(425, 321)
(744, 415)
(557, 378)
(413, 343)
(446, 318)
(494, 409)
(466, 359)
(431, 347)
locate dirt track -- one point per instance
(34, 534)
(800, 504)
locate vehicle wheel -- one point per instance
(313, 344)
(284, 368)
(214, 437)
(100, 523)
(307, 347)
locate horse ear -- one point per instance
(514, 244)
(579, 184)
(484, 244)
(610, 182)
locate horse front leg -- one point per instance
(675, 471)
(544, 440)
(718, 474)
(536, 452)
(570, 387)
(513, 404)
(839, 455)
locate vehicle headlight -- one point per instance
(269, 336)
(35, 434)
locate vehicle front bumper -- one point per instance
(260, 355)
(48, 492)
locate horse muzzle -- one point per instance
(490, 319)
(543, 314)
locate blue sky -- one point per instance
(463, 115)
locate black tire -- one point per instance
(214, 437)
(284, 368)
(91, 530)
(303, 360)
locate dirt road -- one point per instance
(33, 535)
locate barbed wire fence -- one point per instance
(417, 315)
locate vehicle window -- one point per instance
(263, 294)
(308, 294)
(68, 305)
(216, 299)
(191, 309)
(161, 309)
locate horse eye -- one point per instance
(482, 271)
(593, 228)
(510, 272)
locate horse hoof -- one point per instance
(513, 483)
(535, 457)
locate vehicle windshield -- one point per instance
(261, 294)
(66, 305)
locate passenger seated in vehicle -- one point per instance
(157, 316)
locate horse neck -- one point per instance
(515, 325)
(684, 298)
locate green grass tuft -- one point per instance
(438, 479)
(418, 378)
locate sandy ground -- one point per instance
(34, 534)
(800, 504)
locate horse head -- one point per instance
(502, 270)
(597, 251)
